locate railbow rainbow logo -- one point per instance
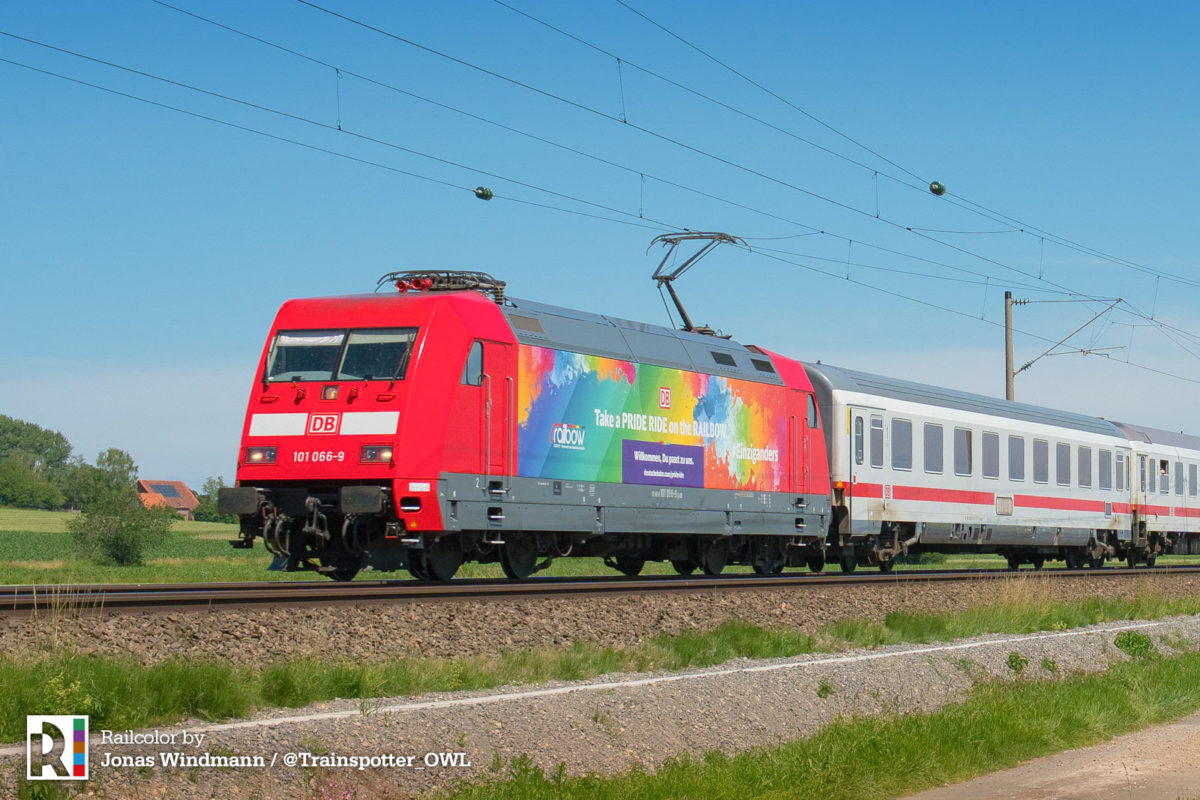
(590, 418)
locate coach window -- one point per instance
(858, 440)
(1120, 471)
(876, 441)
(1164, 476)
(1062, 464)
(473, 371)
(1179, 479)
(812, 412)
(1085, 467)
(1104, 479)
(962, 451)
(991, 455)
(901, 444)
(1016, 458)
(1142, 472)
(934, 452)
(1041, 461)
(1192, 480)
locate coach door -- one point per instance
(799, 431)
(866, 454)
(499, 392)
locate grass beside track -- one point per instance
(121, 693)
(998, 726)
(35, 548)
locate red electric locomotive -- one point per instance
(437, 422)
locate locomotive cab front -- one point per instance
(345, 434)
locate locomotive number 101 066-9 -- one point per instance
(318, 456)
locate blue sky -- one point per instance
(145, 250)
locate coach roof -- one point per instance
(829, 377)
(1140, 433)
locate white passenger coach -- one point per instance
(918, 468)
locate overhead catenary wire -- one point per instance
(632, 170)
(365, 161)
(336, 129)
(312, 147)
(973, 207)
(662, 137)
(652, 133)
(671, 140)
(959, 200)
(959, 312)
(778, 97)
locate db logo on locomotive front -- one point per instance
(323, 423)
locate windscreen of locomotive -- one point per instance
(305, 355)
(365, 354)
(379, 353)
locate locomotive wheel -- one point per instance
(416, 565)
(713, 556)
(630, 565)
(443, 558)
(518, 556)
(1039, 562)
(769, 558)
(343, 569)
(1071, 560)
(816, 563)
(1150, 559)
(888, 565)
(848, 560)
(684, 566)
(1131, 558)
(1096, 562)
(1014, 563)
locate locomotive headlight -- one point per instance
(376, 454)
(260, 455)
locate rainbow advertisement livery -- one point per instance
(590, 418)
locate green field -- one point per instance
(35, 548)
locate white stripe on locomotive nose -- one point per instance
(277, 424)
(357, 423)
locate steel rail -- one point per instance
(130, 597)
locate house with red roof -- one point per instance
(173, 494)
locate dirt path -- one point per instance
(1161, 763)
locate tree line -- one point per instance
(39, 470)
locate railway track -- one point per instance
(130, 597)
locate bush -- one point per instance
(117, 528)
(1135, 645)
